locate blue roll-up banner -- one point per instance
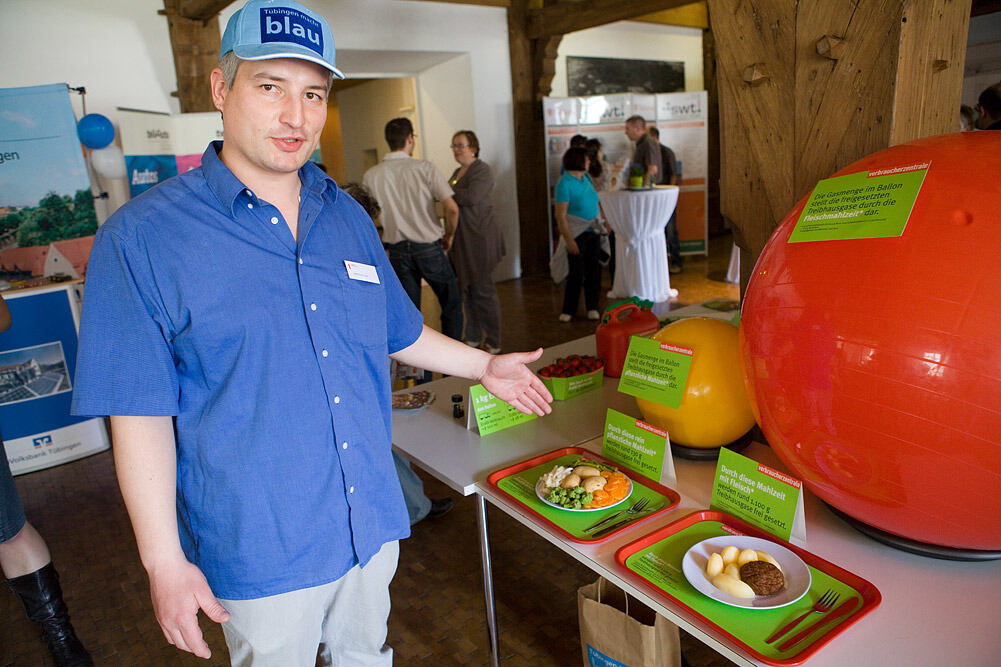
(37, 363)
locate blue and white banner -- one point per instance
(37, 362)
(45, 193)
(158, 146)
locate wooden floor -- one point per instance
(437, 616)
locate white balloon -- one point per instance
(109, 161)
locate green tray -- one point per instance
(655, 561)
(518, 482)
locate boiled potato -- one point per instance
(714, 566)
(732, 570)
(746, 556)
(592, 484)
(734, 587)
(586, 471)
(570, 481)
(765, 556)
(730, 554)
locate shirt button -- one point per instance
(250, 206)
(337, 399)
(274, 221)
(351, 489)
(249, 193)
(325, 353)
(344, 445)
(312, 306)
(300, 260)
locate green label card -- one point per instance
(864, 205)
(638, 446)
(656, 371)
(758, 494)
(492, 414)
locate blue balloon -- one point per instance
(95, 131)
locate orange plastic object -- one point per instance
(611, 338)
(715, 409)
(874, 365)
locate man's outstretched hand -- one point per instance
(508, 378)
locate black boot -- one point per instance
(43, 603)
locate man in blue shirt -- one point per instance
(237, 325)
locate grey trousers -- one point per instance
(482, 310)
(345, 620)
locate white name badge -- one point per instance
(359, 271)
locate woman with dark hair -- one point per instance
(479, 243)
(597, 170)
(578, 222)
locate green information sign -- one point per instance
(634, 444)
(493, 414)
(656, 371)
(864, 205)
(756, 493)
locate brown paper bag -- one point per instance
(617, 630)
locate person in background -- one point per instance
(407, 189)
(600, 173)
(240, 343)
(989, 107)
(27, 566)
(670, 175)
(419, 506)
(967, 118)
(578, 222)
(479, 243)
(646, 154)
(578, 141)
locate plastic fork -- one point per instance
(824, 604)
(638, 506)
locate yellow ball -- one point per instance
(715, 409)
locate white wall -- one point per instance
(633, 40)
(365, 108)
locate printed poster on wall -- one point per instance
(682, 121)
(158, 145)
(37, 362)
(47, 218)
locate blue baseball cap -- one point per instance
(267, 29)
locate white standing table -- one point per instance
(638, 218)
(933, 612)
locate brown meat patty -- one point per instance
(763, 577)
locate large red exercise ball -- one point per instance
(95, 131)
(874, 364)
(714, 409)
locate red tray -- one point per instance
(671, 497)
(867, 592)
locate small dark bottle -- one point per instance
(457, 411)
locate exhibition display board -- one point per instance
(37, 362)
(158, 145)
(957, 599)
(682, 120)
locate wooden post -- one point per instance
(195, 43)
(892, 73)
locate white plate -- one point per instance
(542, 491)
(795, 571)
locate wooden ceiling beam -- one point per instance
(568, 17)
(201, 10)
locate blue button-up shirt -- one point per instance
(201, 305)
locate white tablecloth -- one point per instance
(638, 218)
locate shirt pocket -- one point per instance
(365, 309)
